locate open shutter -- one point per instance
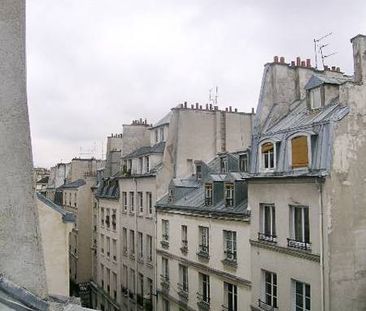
(299, 151)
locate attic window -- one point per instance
(223, 164)
(267, 151)
(243, 162)
(299, 151)
(315, 98)
(171, 195)
(198, 171)
(208, 194)
(229, 194)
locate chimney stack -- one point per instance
(298, 61)
(359, 57)
(275, 59)
(282, 60)
(308, 63)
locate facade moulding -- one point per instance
(285, 250)
(202, 267)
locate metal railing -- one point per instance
(266, 307)
(299, 244)
(267, 237)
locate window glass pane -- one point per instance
(306, 225)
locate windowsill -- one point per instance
(149, 217)
(140, 215)
(230, 262)
(124, 212)
(164, 244)
(184, 250)
(203, 305)
(203, 255)
(132, 213)
(183, 294)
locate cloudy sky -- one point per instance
(94, 65)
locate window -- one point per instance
(302, 301)
(141, 165)
(149, 286)
(147, 164)
(223, 165)
(149, 202)
(132, 242)
(124, 241)
(270, 289)
(300, 228)
(203, 239)
(140, 244)
(124, 201)
(165, 230)
(243, 163)
(102, 216)
(229, 194)
(165, 303)
(125, 278)
(171, 195)
(230, 245)
(162, 138)
(315, 98)
(132, 283)
(230, 297)
(140, 297)
(140, 200)
(268, 223)
(75, 199)
(114, 223)
(165, 268)
(149, 247)
(268, 156)
(129, 165)
(184, 236)
(208, 194)
(132, 202)
(198, 171)
(102, 243)
(114, 249)
(183, 278)
(204, 288)
(299, 152)
(107, 218)
(108, 240)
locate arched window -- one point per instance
(299, 151)
(267, 155)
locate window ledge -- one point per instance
(230, 262)
(203, 255)
(164, 244)
(184, 250)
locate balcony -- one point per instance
(140, 258)
(140, 299)
(265, 307)
(203, 251)
(183, 291)
(184, 248)
(203, 302)
(131, 295)
(165, 241)
(267, 237)
(164, 282)
(125, 252)
(230, 258)
(208, 201)
(124, 291)
(306, 246)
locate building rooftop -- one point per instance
(145, 150)
(74, 184)
(66, 216)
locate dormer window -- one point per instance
(268, 156)
(223, 164)
(171, 195)
(243, 163)
(299, 151)
(198, 171)
(315, 98)
(208, 194)
(229, 194)
(162, 138)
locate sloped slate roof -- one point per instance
(186, 182)
(75, 184)
(66, 216)
(319, 79)
(302, 117)
(145, 150)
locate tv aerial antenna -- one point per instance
(319, 49)
(212, 98)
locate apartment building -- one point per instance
(305, 191)
(160, 152)
(203, 229)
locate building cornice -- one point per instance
(285, 250)
(202, 267)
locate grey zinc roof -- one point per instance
(75, 184)
(164, 120)
(186, 182)
(66, 216)
(319, 79)
(145, 150)
(301, 117)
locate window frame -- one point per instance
(244, 167)
(304, 241)
(229, 188)
(208, 194)
(262, 159)
(289, 147)
(230, 296)
(270, 236)
(204, 239)
(305, 287)
(230, 245)
(273, 285)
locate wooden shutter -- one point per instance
(299, 151)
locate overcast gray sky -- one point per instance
(94, 65)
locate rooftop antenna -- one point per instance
(318, 49)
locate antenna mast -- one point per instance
(318, 48)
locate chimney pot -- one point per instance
(216, 107)
(181, 105)
(230, 108)
(275, 59)
(210, 106)
(226, 109)
(325, 67)
(206, 106)
(185, 105)
(333, 68)
(298, 61)
(200, 107)
(338, 69)
(282, 60)
(359, 59)
(236, 109)
(308, 62)
(192, 106)
(302, 63)
(252, 110)
(196, 105)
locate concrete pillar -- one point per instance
(21, 256)
(359, 57)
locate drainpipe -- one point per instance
(319, 183)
